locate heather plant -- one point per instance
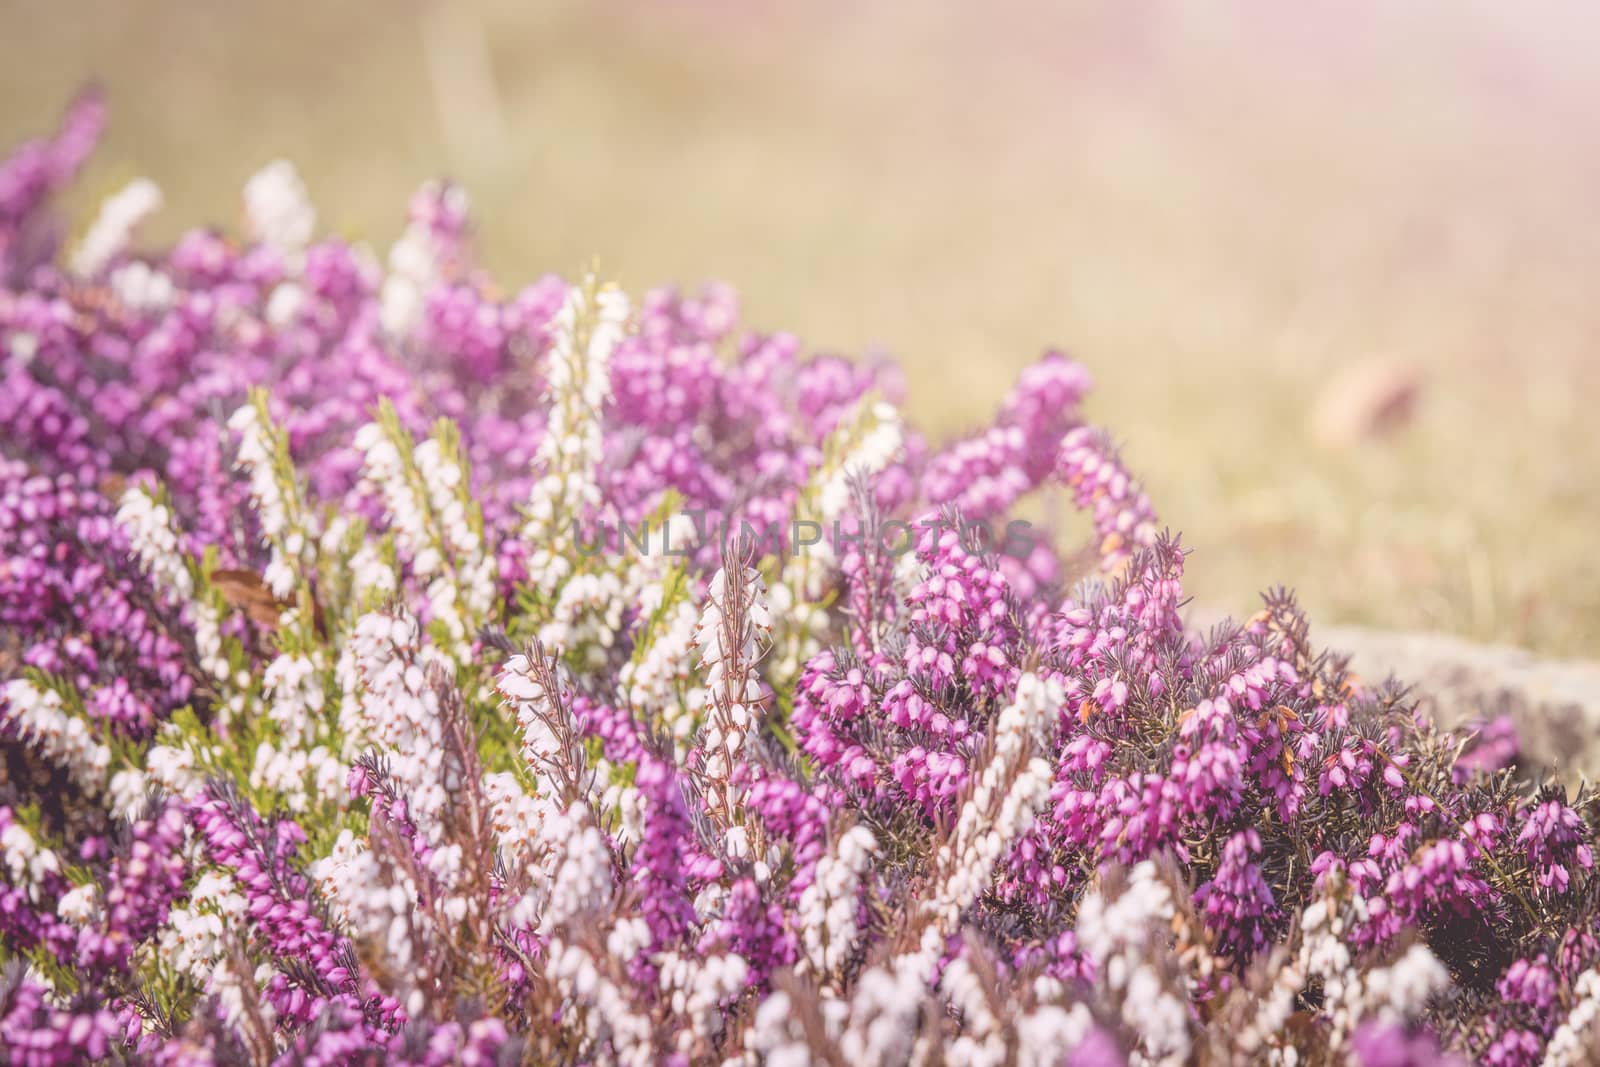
(339, 727)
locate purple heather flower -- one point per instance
(1384, 1045)
(140, 889)
(32, 174)
(658, 872)
(33, 1033)
(282, 910)
(1241, 763)
(1097, 1049)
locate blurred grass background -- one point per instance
(1218, 208)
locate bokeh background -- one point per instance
(1265, 227)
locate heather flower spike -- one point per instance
(735, 627)
(397, 666)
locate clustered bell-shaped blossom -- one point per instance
(735, 622)
(37, 717)
(1237, 902)
(1576, 1041)
(1122, 514)
(40, 1034)
(32, 173)
(831, 902)
(395, 667)
(1557, 843)
(120, 216)
(1116, 936)
(578, 384)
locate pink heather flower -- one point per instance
(1237, 903)
(1557, 844)
(1495, 748)
(1383, 1045)
(1123, 518)
(38, 1034)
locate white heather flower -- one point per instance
(352, 690)
(982, 1042)
(563, 854)
(38, 717)
(909, 571)
(1396, 993)
(442, 478)
(127, 793)
(609, 1015)
(24, 346)
(384, 468)
(534, 709)
(173, 769)
(515, 816)
(518, 820)
(288, 533)
(622, 799)
(1159, 1017)
(153, 536)
(709, 901)
(426, 506)
(724, 641)
(371, 577)
(1122, 936)
(328, 772)
(587, 615)
(295, 696)
(374, 905)
(1324, 954)
(577, 384)
(154, 539)
(1005, 798)
(581, 879)
(26, 861)
(1263, 1036)
(399, 712)
(698, 989)
(79, 905)
(1576, 1041)
(283, 306)
(120, 215)
(875, 443)
(191, 940)
(1399, 992)
(734, 625)
(139, 287)
(773, 1038)
(862, 447)
(279, 211)
(412, 272)
(415, 267)
(884, 1008)
(194, 941)
(282, 771)
(653, 681)
(828, 906)
(446, 485)
(1045, 1033)
(628, 938)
